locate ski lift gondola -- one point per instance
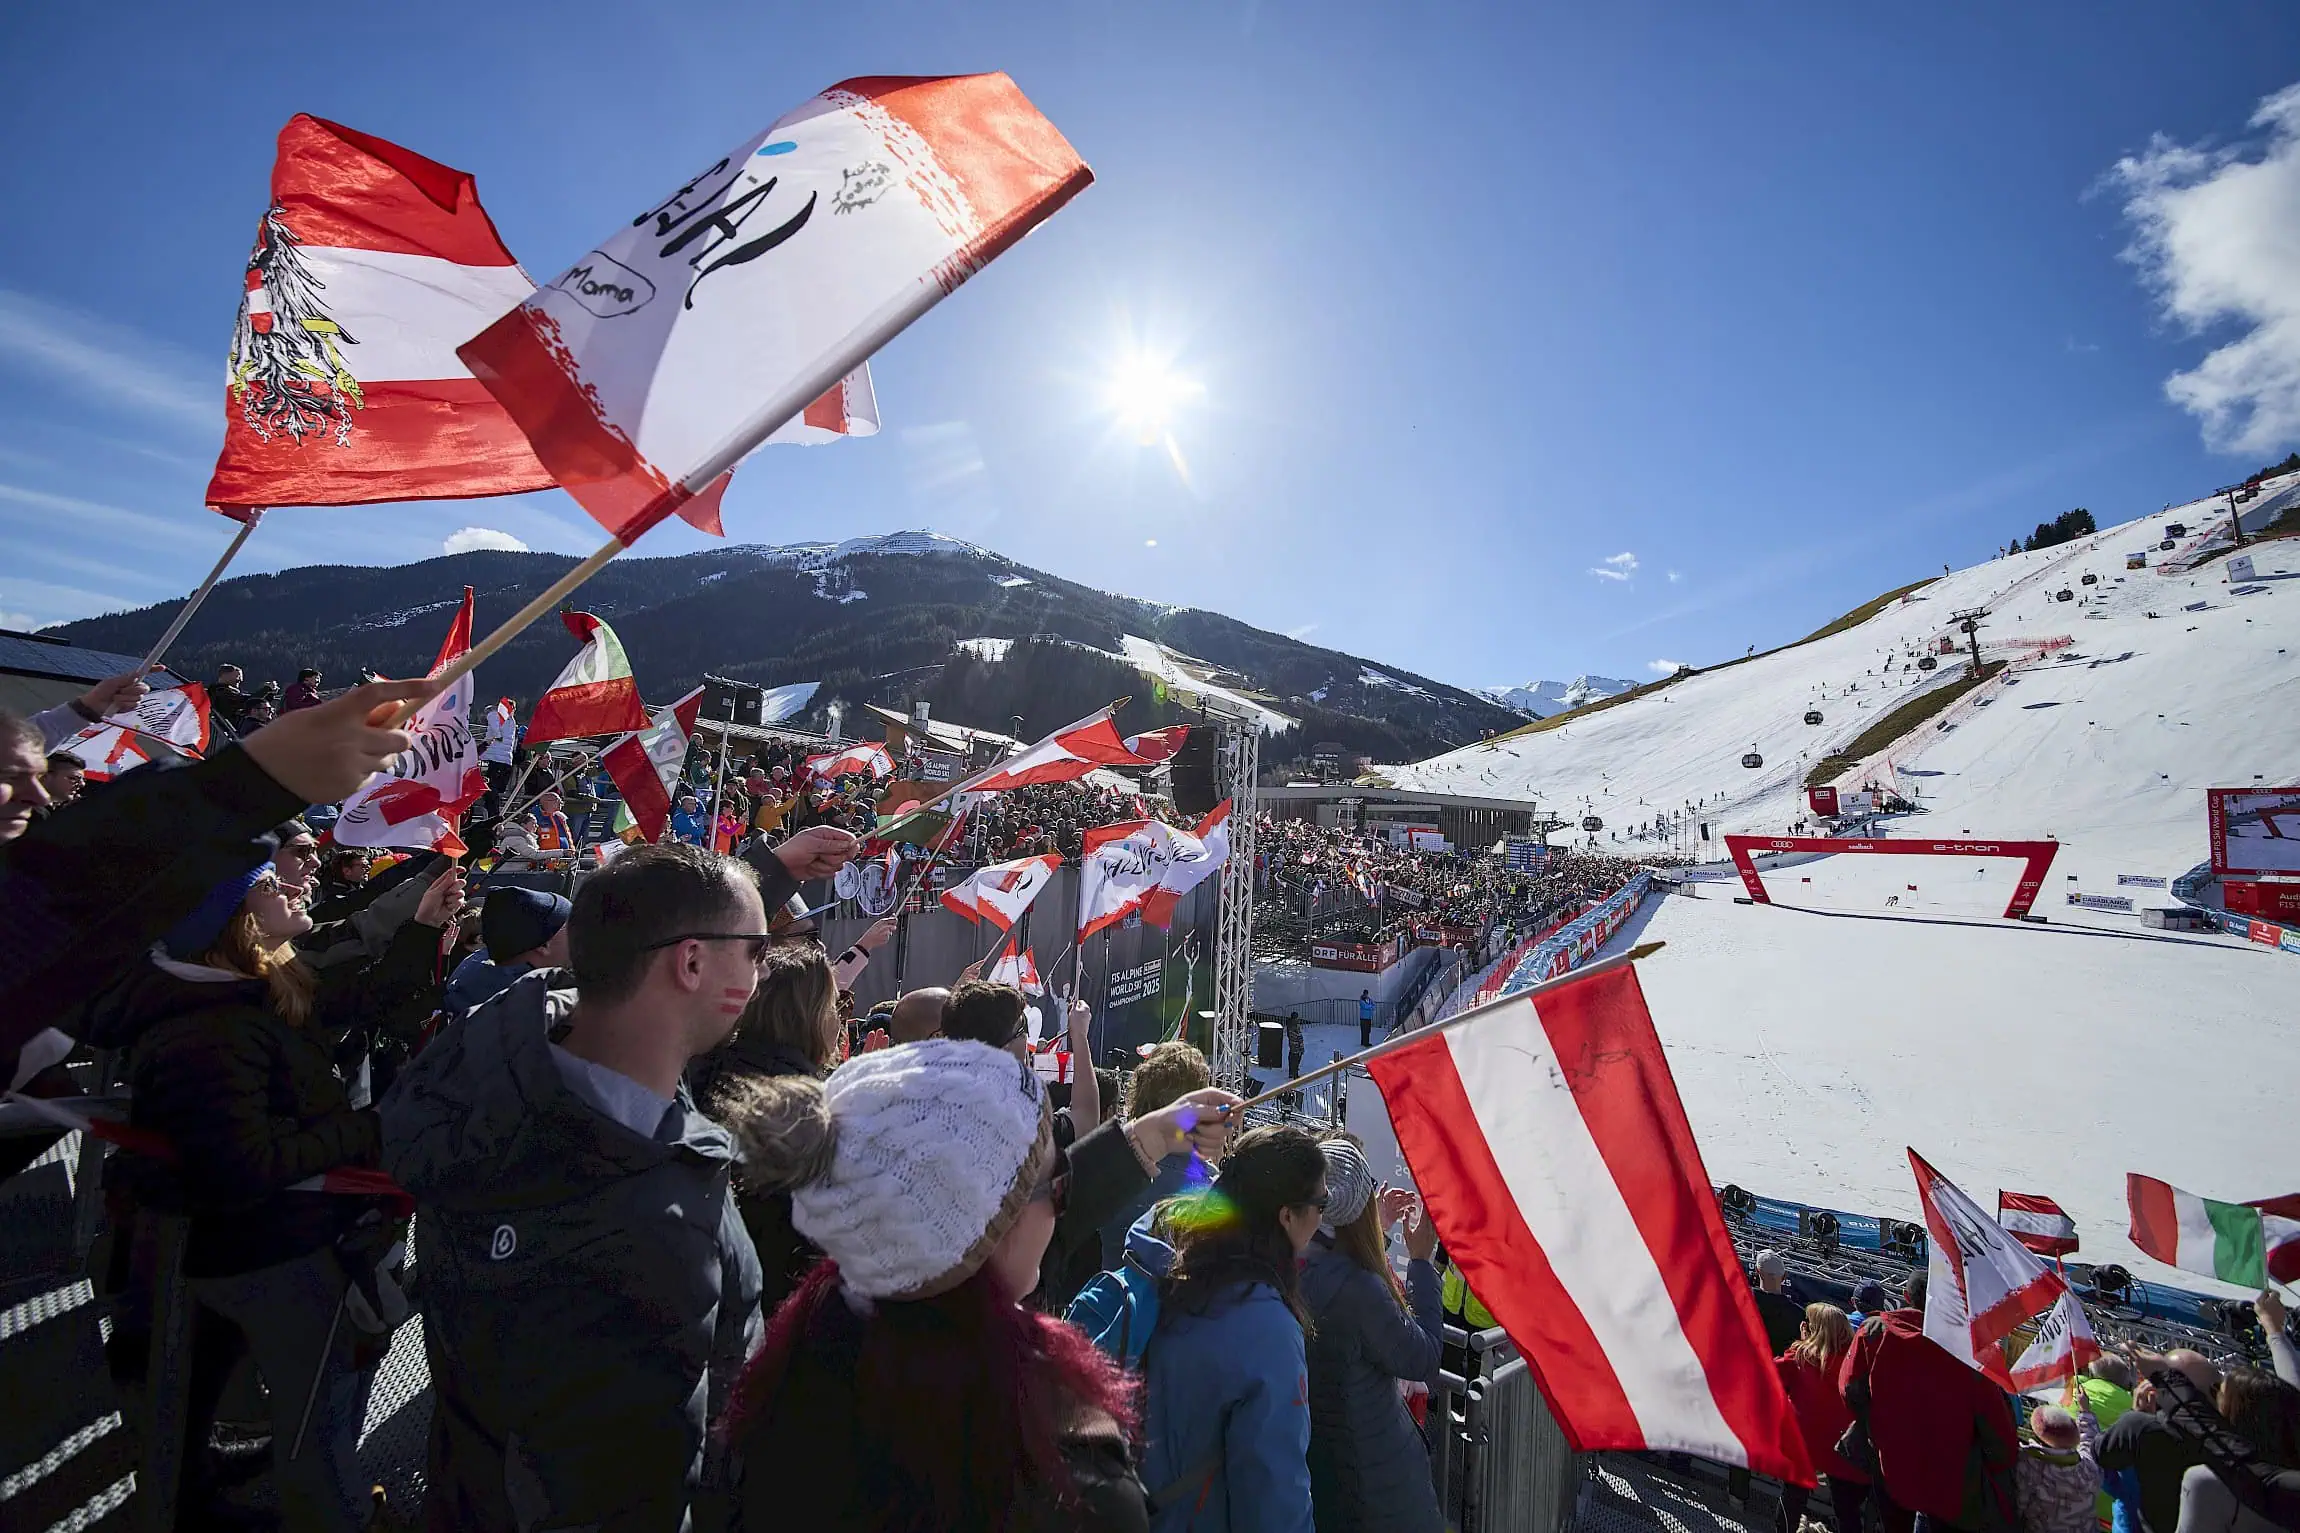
(1812, 715)
(1752, 760)
(1926, 662)
(1592, 824)
(2088, 580)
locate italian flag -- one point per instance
(596, 693)
(2241, 1243)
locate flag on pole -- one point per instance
(1138, 867)
(779, 703)
(2037, 1222)
(371, 265)
(1547, 1140)
(2241, 1243)
(1001, 892)
(595, 695)
(1989, 1300)
(1019, 970)
(1063, 756)
(868, 756)
(654, 363)
(1187, 872)
(1158, 745)
(176, 718)
(416, 800)
(645, 765)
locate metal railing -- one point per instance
(1497, 1457)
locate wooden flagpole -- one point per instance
(1396, 1041)
(192, 603)
(548, 602)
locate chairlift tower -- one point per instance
(1238, 758)
(1968, 623)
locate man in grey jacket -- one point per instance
(588, 1289)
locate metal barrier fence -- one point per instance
(1498, 1459)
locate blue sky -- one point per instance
(1531, 339)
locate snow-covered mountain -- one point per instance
(1541, 699)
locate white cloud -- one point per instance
(1619, 567)
(464, 539)
(22, 622)
(1674, 577)
(107, 360)
(1665, 667)
(2217, 236)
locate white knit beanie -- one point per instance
(939, 1145)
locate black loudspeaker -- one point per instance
(745, 699)
(1195, 792)
(1270, 1045)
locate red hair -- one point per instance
(928, 1414)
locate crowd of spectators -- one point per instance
(701, 1249)
(1341, 885)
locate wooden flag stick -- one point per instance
(192, 602)
(1396, 1041)
(558, 591)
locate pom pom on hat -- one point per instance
(936, 1146)
(1349, 1182)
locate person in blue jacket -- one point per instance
(1227, 1415)
(1369, 1467)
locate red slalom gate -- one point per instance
(2037, 855)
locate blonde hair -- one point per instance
(1828, 1337)
(243, 948)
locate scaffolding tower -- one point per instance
(1238, 756)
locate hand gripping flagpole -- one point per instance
(192, 602)
(1396, 1041)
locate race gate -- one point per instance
(2037, 855)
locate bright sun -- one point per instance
(1146, 394)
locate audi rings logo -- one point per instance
(505, 1241)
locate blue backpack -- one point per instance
(1118, 1310)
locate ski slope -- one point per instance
(2105, 745)
(1883, 1003)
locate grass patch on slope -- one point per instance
(1896, 724)
(1863, 612)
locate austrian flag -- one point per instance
(2037, 1222)
(418, 797)
(1000, 893)
(1549, 1145)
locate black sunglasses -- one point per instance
(761, 942)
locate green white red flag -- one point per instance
(645, 765)
(595, 695)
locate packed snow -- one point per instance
(992, 650)
(1193, 677)
(1369, 677)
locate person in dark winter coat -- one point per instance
(83, 895)
(235, 1050)
(1369, 1467)
(1227, 1415)
(791, 1028)
(588, 1289)
(2142, 1440)
(906, 1385)
(1943, 1434)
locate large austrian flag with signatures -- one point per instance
(655, 361)
(1547, 1140)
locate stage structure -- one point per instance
(1238, 757)
(2037, 855)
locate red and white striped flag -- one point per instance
(656, 362)
(1546, 1138)
(176, 718)
(1989, 1300)
(595, 695)
(371, 265)
(1063, 756)
(645, 766)
(2037, 1222)
(1019, 970)
(867, 756)
(1001, 892)
(1143, 867)
(421, 793)
(1157, 745)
